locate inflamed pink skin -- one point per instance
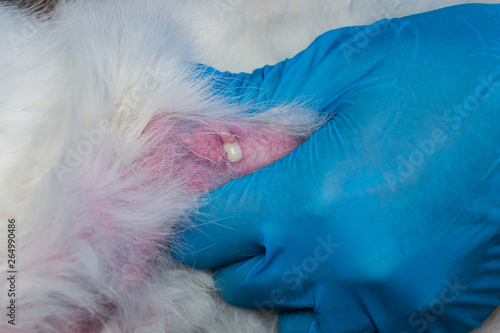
(194, 152)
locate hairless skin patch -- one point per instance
(207, 155)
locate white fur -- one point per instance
(119, 63)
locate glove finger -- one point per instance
(267, 284)
(296, 321)
(307, 321)
(262, 284)
(216, 239)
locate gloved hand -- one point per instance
(388, 218)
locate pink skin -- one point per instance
(192, 153)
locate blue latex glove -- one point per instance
(388, 218)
